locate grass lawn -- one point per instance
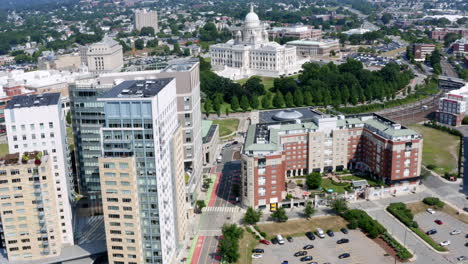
(300, 226)
(327, 184)
(446, 157)
(357, 178)
(267, 81)
(3, 149)
(246, 244)
(419, 207)
(226, 126)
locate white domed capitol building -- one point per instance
(251, 53)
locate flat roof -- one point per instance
(206, 124)
(33, 100)
(138, 88)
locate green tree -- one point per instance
(254, 102)
(227, 110)
(208, 106)
(307, 98)
(252, 216)
(244, 103)
(339, 205)
(278, 100)
(235, 103)
(69, 118)
(229, 245)
(266, 102)
(289, 100)
(254, 85)
(200, 205)
(309, 210)
(298, 98)
(386, 17)
(139, 44)
(147, 31)
(279, 215)
(450, 38)
(314, 180)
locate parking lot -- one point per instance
(457, 242)
(362, 250)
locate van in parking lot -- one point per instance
(320, 233)
(280, 239)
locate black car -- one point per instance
(344, 255)
(307, 258)
(431, 232)
(310, 235)
(465, 209)
(344, 230)
(306, 247)
(274, 241)
(466, 244)
(330, 233)
(342, 241)
(300, 253)
(258, 250)
(290, 239)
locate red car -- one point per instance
(266, 242)
(438, 222)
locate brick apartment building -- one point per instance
(452, 107)
(460, 47)
(421, 51)
(439, 33)
(298, 142)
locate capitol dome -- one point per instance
(286, 115)
(251, 19)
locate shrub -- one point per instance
(431, 166)
(434, 201)
(353, 224)
(402, 252)
(257, 228)
(263, 234)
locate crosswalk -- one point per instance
(219, 209)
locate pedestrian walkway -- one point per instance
(230, 209)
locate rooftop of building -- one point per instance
(208, 130)
(33, 100)
(312, 42)
(26, 158)
(264, 136)
(138, 88)
(181, 65)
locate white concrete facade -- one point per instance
(42, 128)
(146, 18)
(104, 56)
(251, 53)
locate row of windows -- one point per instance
(32, 126)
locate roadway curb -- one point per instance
(418, 237)
(192, 249)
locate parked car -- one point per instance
(274, 241)
(461, 258)
(342, 241)
(306, 258)
(310, 235)
(465, 209)
(257, 256)
(330, 233)
(285, 262)
(344, 255)
(445, 243)
(439, 222)
(300, 253)
(430, 210)
(344, 230)
(431, 232)
(290, 239)
(320, 233)
(264, 241)
(258, 250)
(306, 247)
(280, 239)
(455, 232)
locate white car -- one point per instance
(430, 210)
(257, 256)
(445, 243)
(455, 232)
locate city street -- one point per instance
(222, 207)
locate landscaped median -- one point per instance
(404, 215)
(359, 218)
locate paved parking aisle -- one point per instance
(457, 242)
(362, 250)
